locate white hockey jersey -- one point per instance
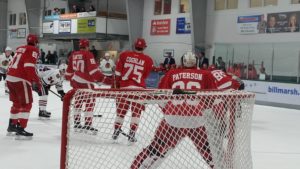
(50, 77)
(107, 67)
(4, 62)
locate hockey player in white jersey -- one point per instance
(5, 59)
(49, 77)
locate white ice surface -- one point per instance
(275, 137)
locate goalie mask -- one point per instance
(189, 60)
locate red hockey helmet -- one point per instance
(140, 43)
(212, 67)
(32, 39)
(83, 43)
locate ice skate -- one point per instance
(43, 115)
(12, 129)
(131, 137)
(21, 134)
(116, 134)
(78, 127)
(90, 130)
(6, 92)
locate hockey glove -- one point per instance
(36, 87)
(62, 94)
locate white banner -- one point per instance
(86, 14)
(48, 27)
(274, 92)
(249, 24)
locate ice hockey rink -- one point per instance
(275, 137)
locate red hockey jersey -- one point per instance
(83, 68)
(225, 80)
(133, 68)
(23, 65)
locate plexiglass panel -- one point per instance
(277, 62)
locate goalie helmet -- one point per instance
(189, 60)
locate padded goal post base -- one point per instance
(176, 130)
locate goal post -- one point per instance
(176, 130)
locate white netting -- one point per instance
(182, 131)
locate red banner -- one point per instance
(160, 27)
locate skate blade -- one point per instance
(44, 118)
(90, 132)
(18, 137)
(11, 134)
(78, 130)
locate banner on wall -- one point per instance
(272, 23)
(251, 24)
(283, 22)
(64, 26)
(274, 92)
(160, 27)
(48, 27)
(183, 25)
(87, 25)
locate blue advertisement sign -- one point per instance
(52, 17)
(183, 25)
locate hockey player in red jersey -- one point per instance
(226, 80)
(83, 72)
(132, 69)
(21, 79)
(181, 118)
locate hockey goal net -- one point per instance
(213, 130)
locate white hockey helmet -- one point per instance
(189, 60)
(63, 67)
(8, 48)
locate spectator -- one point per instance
(169, 61)
(82, 9)
(220, 64)
(75, 9)
(48, 57)
(202, 60)
(263, 74)
(91, 8)
(107, 65)
(43, 56)
(56, 11)
(54, 57)
(252, 74)
(94, 52)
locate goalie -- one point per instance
(181, 118)
(49, 77)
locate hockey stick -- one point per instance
(97, 115)
(55, 93)
(125, 134)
